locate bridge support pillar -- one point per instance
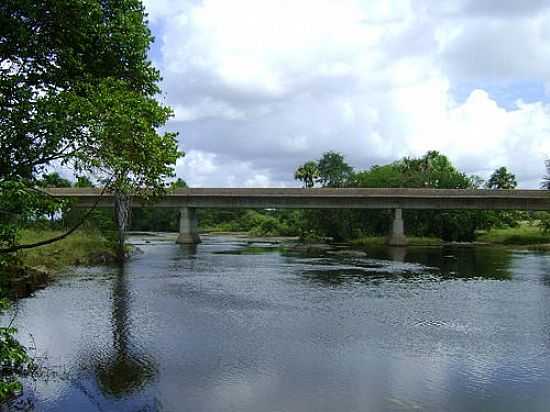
(397, 230)
(189, 234)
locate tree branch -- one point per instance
(15, 248)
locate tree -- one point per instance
(330, 171)
(53, 179)
(501, 179)
(83, 181)
(307, 173)
(77, 88)
(179, 183)
(334, 171)
(158, 219)
(433, 170)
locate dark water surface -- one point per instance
(228, 327)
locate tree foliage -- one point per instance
(77, 90)
(432, 170)
(308, 173)
(334, 171)
(502, 179)
(54, 179)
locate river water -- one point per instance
(232, 326)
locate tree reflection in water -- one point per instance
(403, 264)
(127, 369)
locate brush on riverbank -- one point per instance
(86, 247)
(526, 235)
(523, 235)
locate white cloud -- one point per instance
(204, 169)
(261, 86)
(206, 108)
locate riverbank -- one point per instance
(525, 236)
(35, 266)
(87, 247)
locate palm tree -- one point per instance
(307, 173)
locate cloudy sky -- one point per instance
(260, 86)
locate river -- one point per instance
(234, 326)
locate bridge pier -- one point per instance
(397, 230)
(189, 234)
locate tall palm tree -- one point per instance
(307, 173)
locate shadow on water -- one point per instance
(395, 263)
(409, 264)
(188, 250)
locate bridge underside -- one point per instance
(187, 200)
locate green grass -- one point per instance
(80, 248)
(412, 241)
(523, 235)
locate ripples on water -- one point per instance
(230, 326)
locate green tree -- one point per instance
(76, 87)
(155, 219)
(54, 179)
(433, 170)
(179, 183)
(334, 171)
(308, 173)
(330, 171)
(388, 175)
(83, 181)
(502, 179)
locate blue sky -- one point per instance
(506, 95)
(261, 86)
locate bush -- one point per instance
(13, 360)
(544, 222)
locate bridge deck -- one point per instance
(352, 198)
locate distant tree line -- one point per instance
(432, 170)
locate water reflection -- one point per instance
(188, 250)
(453, 261)
(384, 330)
(395, 264)
(463, 262)
(126, 368)
(397, 254)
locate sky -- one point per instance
(258, 87)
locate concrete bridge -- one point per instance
(187, 200)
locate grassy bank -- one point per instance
(81, 248)
(523, 235)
